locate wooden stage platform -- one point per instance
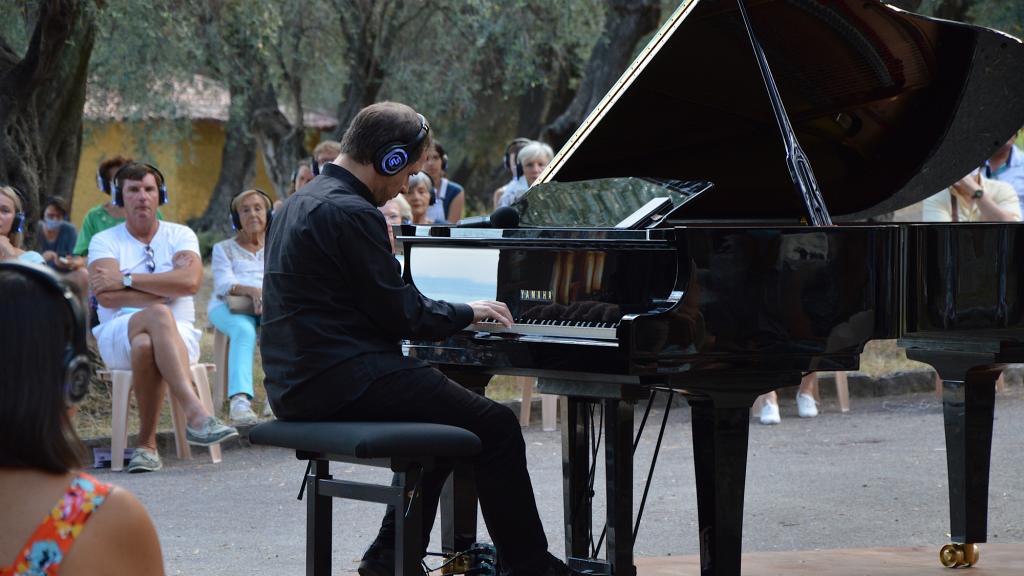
(996, 560)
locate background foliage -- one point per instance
(483, 71)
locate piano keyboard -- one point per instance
(563, 328)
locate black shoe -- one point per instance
(378, 561)
(558, 568)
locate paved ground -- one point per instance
(874, 477)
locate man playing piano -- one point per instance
(336, 309)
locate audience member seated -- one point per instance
(806, 405)
(57, 236)
(325, 152)
(56, 240)
(12, 226)
(101, 216)
(396, 211)
(417, 193)
(510, 161)
(56, 518)
(302, 175)
(1007, 165)
(144, 273)
(532, 159)
(973, 198)
(238, 272)
(450, 202)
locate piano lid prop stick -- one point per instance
(796, 160)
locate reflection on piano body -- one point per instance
(667, 246)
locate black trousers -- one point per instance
(502, 480)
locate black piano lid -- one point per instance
(889, 106)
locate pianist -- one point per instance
(335, 310)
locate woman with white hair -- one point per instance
(418, 194)
(12, 224)
(533, 158)
(238, 271)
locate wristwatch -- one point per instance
(977, 193)
(126, 280)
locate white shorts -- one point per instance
(115, 347)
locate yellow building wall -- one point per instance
(191, 167)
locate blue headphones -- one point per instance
(101, 182)
(77, 368)
(18, 224)
(115, 186)
(236, 219)
(517, 169)
(393, 157)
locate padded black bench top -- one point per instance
(369, 439)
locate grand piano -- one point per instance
(703, 233)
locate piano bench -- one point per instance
(407, 448)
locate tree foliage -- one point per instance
(483, 71)
(44, 61)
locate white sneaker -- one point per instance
(806, 407)
(241, 410)
(770, 413)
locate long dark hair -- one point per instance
(35, 430)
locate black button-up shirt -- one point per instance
(334, 300)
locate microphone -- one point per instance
(504, 217)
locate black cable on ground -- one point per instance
(654, 460)
(636, 442)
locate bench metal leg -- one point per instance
(318, 521)
(409, 524)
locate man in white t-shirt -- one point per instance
(144, 273)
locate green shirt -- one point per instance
(96, 220)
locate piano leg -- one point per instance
(968, 409)
(720, 430)
(618, 418)
(576, 430)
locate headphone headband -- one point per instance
(517, 169)
(115, 186)
(236, 219)
(393, 157)
(77, 368)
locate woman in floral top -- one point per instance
(55, 519)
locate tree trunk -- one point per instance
(361, 90)
(42, 96)
(625, 23)
(371, 29)
(237, 165)
(954, 10)
(281, 142)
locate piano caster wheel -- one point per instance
(959, 555)
(971, 554)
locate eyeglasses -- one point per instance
(150, 259)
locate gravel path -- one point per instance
(874, 477)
